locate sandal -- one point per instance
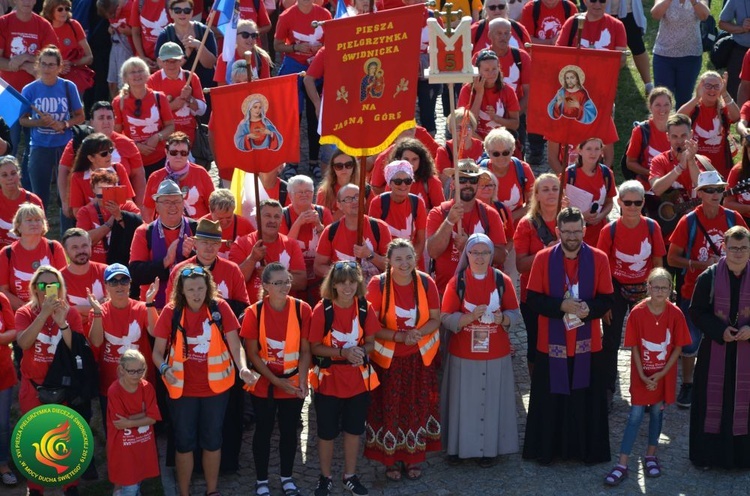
(651, 467)
(616, 475)
(262, 489)
(290, 488)
(393, 472)
(413, 472)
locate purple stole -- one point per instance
(159, 251)
(558, 350)
(717, 360)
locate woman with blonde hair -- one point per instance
(12, 196)
(247, 41)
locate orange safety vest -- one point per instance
(291, 343)
(316, 375)
(219, 361)
(428, 345)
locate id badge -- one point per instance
(480, 340)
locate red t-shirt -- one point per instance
(37, 359)
(341, 247)
(69, 36)
(8, 209)
(631, 253)
(701, 250)
(240, 226)
(77, 285)
(444, 158)
(527, 241)
(483, 41)
(124, 329)
(152, 19)
(20, 38)
(184, 120)
(80, 185)
(662, 164)
(153, 115)
(7, 322)
(377, 175)
(220, 72)
(276, 333)
(707, 131)
(342, 381)
(283, 250)
(482, 339)
(430, 191)
(503, 101)
(514, 76)
(125, 153)
(445, 264)
(307, 238)
(607, 33)
(507, 221)
(227, 275)
(16, 270)
(294, 26)
(401, 221)
(656, 338)
(125, 447)
(745, 72)
(732, 181)
(510, 190)
(550, 20)
(597, 186)
(196, 187)
(320, 199)
(539, 281)
(317, 65)
(198, 333)
(87, 218)
(658, 142)
(405, 308)
(139, 251)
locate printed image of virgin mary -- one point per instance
(572, 101)
(373, 83)
(256, 131)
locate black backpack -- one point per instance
(325, 362)
(80, 133)
(709, 33)
(75, 371)
(373, 226)
(385, 205)
(288, 216)
(461, 283)
(722, 50)
(645, 136)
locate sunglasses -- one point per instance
(122, 281)
(42, 286)
(504, 153)
(137, 111)
(469, 180)
(245, 35)
(183, 10)
(630, 203)
(343, 265)
(194, 270)
(406, 180)
(713, 191)
(134, 372)
(105, 153)
(496, 7)
(343, 165)
(182, 153)
(62, 9)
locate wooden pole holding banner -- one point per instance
(248, 55)
(209, 21)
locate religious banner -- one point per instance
(256, 125)
(371, 67)
(572, 93)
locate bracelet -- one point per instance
(163, 368)
(97, 315)
(150, 304)
(294, 48)
(66, 326)
(449, 222)
(158, 135)
(244, 369)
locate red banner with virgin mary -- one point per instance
(371, 65)
(572, 93)
(256, 125)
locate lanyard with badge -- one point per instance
(571, 320)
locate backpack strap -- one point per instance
(566, 8)
(607, 177)
(573, 31)
(480, 29)
(332, 230)
(645, 137)
(375, 230)
(517, 28)
(385, 204)
(51, 246)
(536, 11)
(516, 53)
(282, 192)
(328, 314)
(320, 211)
(287, 217)
(520, 173)
(414, 205)
(149, 231)
(483, 218)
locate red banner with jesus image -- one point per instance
(371, 67)
(572, 93)
(256, 125)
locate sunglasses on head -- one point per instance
(105, 153)
(343, 165)
(504, 153)
(713, 190)
(406, 180)
(630, 203)
(42, 286)
(469, 180)
(182, 153)
(137, 111)
(195, 270)
(182, 10)
(122, 281)
(245, 35)
(493, 8)
(62, 9)
(343, 265)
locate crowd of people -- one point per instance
(190, 307)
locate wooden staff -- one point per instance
(209, 21)
(248, 55)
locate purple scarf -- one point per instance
(174, 175)
(159, 251)
(717, 360)
(558, 350)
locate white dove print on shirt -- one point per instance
(515, 198)
(605, 38)
(347, 339)
(404, 233)
(410, 315)
(150, 124)
(127, 342)
(493, 306)
(201, 342)
(96, 290)
(275, 347)
(191, 199)
(512, 78)
(26, 276)
(223, 289)
(50, 341)
(712, 136)
(485, 117)
(660, 347)
(8, 226)
(157, 26)
(309, 38)
(638, 261)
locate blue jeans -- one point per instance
(42, 168)
(679, 74)
(427, 95)
(695, 334)
(6, 398)
(134, 490)
(656, 416)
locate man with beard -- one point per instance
(450, 224)
(251, 253)
(82, 276)
(570, 286)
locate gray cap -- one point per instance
(167, 188)
(170, 50)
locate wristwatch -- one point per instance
(372, 255)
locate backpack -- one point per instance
(483, 24)
(461, 283)
(288, 217)
(571, 172)
(709, 33)
(80, 133)
(282, 192)
(645, 136)
(722, 50)
(650, 222)
(325, 362)
(520, 172)
(373, 226)
(692, 224)
(213, 310)
(385, 205)
(537, 11)
(73, 375)
(50, 243)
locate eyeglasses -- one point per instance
(170, 203)
(710, 86)
(183, 10)
(470, 180)
(122, 281)
(42, 286)
(480, 253)
(138, 104)
(493, 8)
(713, 191)
(343, 165)
(278, 284)
(62, 9)
(47, 65)
(504, 153)
(630, 203)
(406, 180)
(105, 153)
(182, 153)
(659, 289)
(343, 265)
(738, 249)
(134, 372)
(195, 270)
(245, 35)
(349, 199)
